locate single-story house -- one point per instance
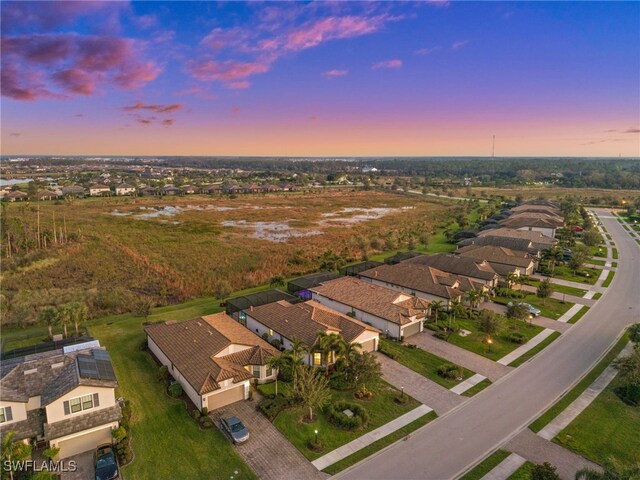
(148, 191)
(63, 400)
(16, 196)
(476, 270)
(535, 222)
(287, 322)
(125, 189)
(421, 281)
(538, 239)
(99, 190)
(73, 191)
(520, 244)
(171, 190)
(394, 313)
(503, 260)
(189, 189)
(533, 208)
(213, 357)
(47, 195)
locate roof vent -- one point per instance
(29, 372)
(57, 365)
(199, 324)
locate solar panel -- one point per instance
(97, 366)
(87, 366)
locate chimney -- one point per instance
(251, 308)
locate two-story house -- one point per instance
(63, 400)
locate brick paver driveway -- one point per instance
(85, 467)
(269, 454)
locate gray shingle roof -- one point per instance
(29, 428)
(82, 421)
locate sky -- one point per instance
(431, 78)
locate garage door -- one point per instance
(411, 329)
(369, 345)
(83, 443)
(226, 397)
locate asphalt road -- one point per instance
(449, 446)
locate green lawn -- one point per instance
(486, 465)
(576, 391)
(563, 272)
(614, 253)
(597, 261)
(535, 350)
(597, 296)
(580, 314)
(549, 307)
(475, 341)
(382, 408)
(606, 429)
(477, 388)
(380, 444)
(523, 473)
(577, 292)
(609, 279)
(421, 361)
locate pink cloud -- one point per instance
(427, 51)
(335, 73)
(75, 64)
(196, 91)
(316, 32)
(167, 122)
(170, 108)
(394, 63)
(235, 110)
(145, 21)
(232, 74)
(459, 45)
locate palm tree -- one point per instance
(512, 279)
(327, 344)
(455, 308)
(347, 350)
(48, 316)
(436, 307)
(13, 451)
(552, 256)
(78, 314)
(276, 363)
(294, 357)
(473, 297)
(64, 317)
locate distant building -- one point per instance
(47, 195)
(73, 191)
(16, 196)
(125, 189)
(99, 190)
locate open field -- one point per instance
(550, 192)
(171, 249)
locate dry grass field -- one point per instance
(166, 250)
(552, 193)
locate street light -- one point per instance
(401, 392)
(489, 342)
(316, 432)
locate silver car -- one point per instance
(235, 429)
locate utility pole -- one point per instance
(493, 148)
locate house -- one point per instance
(520, 244)
(99, 190)
(535, 222)
(125, 189)
(396, 314)
(16, 196)
(421, 281)
(148, 191)
(477, 270)
(538, 239)
(213, 357)
(534, 208)
(58, 399)
(503, 260)
(189, 189)
(73, 191)
(46, 195)
(171, 190)
(287, 322)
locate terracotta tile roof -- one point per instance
(382, 302)
(196, 348)
(456, 265)
(537, 209)
(420, 278)
(532, 219)
(501, 255)
(521, 244)
(535, 237)
(304, 320)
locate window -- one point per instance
(5, 414)
(269, 371)
(256, 371)
(75, 404)
(79, 404)
(317, 359)
(87, 402)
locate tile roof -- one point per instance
(304, 320)
(421, 278)
(29, 428)
(500, 255)
(456, 265)
(535, 237)
(82, 421)
(382, 302)
(532, 219)
(525, 207)
(194, 348)
(522, 244)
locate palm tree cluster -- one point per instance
(69, 313)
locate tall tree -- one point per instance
(277, 362)
(312, 389)
(544, 290)
(49, 317)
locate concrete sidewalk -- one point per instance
(468, 384)
(521, 350)
(369, 438)
(506, 468)
(568, 315)
(567, 283)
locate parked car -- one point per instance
(106, 463)
(532, 310)
(236, 430)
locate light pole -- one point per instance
(316, 432)
(402, 392)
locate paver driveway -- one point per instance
(269, 454)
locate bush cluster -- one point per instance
(175, 390)
(121, 435)
(336, 416)
(271, 407)
(517, 337)
(450, 371)
(391, 355)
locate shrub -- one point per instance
(196, 413)
(450, 371)
(206, 422)
(634, 332)
(336, 416)
(363, 393)
(119, 434)
(175, 390)
(143, 345)
(271, 407)
(163, 374)
(337, 381)
(123, 451)
(391, 355)
(629, 394)
(276, 343)
(441, 335)
(205, 411)
(126, 413)
(517, 337)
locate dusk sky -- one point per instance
(321, 79)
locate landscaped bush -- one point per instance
(336, 416)
(442, 335)
(206, 422)
(175, 390)
(163, 374)
(517, 337)
(634, 332)
(450, 371)
(338, 382)
(123, 451)
(629, 394)
(391, 355)
(271, 407)
(363, 393)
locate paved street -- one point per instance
(463, 437)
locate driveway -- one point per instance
(86, 468)
(269, 454)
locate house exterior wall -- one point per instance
(18, 411)
(186, 386)
(55, 410)
(125, 191)
(233, 348)
(380, 323)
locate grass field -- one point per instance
(486, 465)
(578, 292)
(607, 429)
(421, 361)
(580, 313)
(565, 273)
(188, 247)
(549, 307)
(535, 350)
(523, 473)
(575, 392)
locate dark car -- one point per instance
(106, 463)
(235, 429)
